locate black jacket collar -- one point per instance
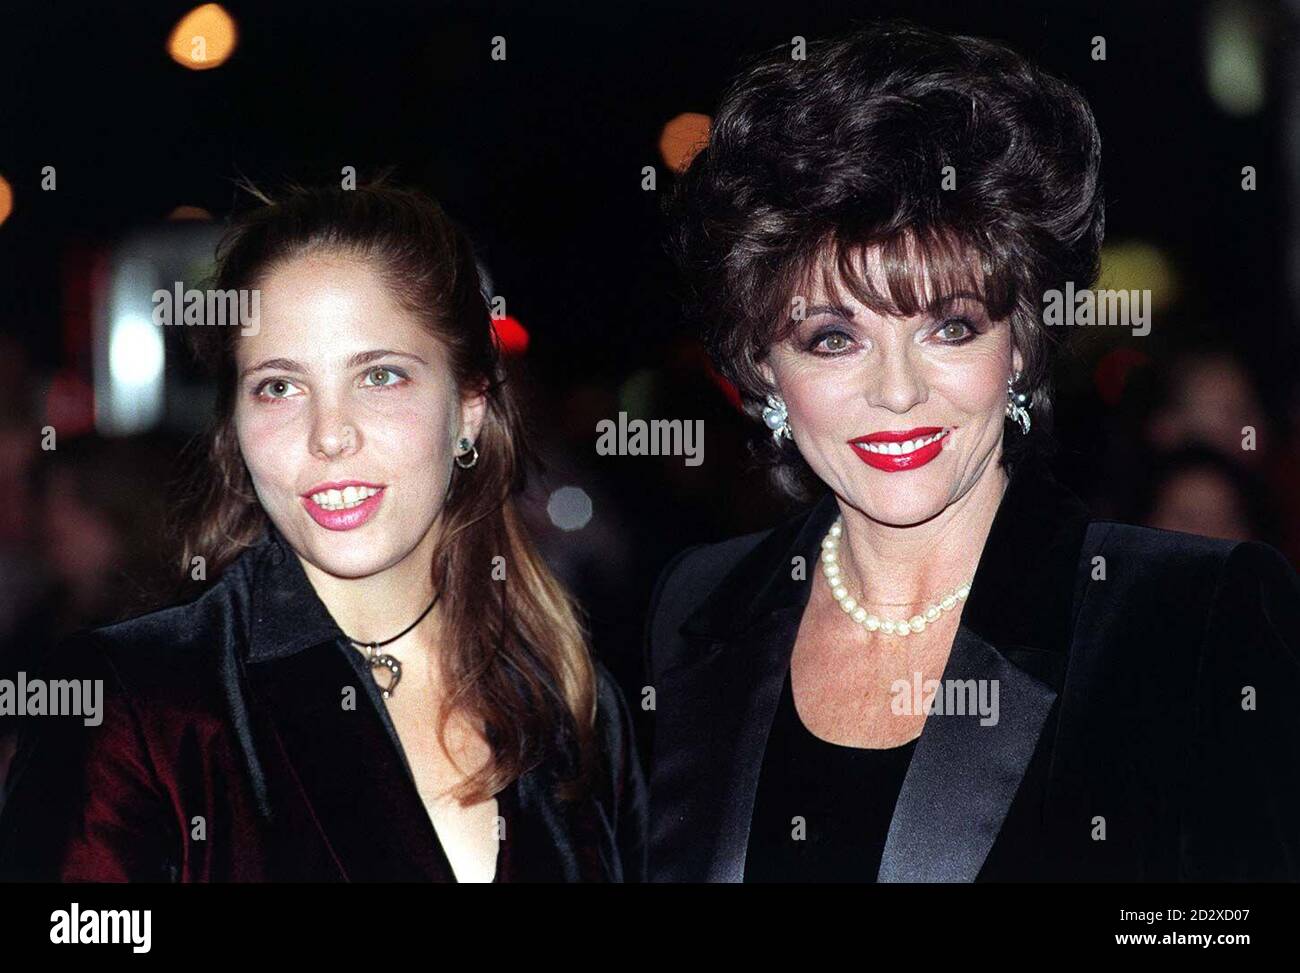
(1020, 595)
(287, 614)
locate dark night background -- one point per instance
(540, 156)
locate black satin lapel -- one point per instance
(349, 771)
(711, 727)
(964, 776)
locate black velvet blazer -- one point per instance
(229, 709)
(1121, 704)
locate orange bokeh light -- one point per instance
(203, 39)
(682, 137)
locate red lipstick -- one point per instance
(889, 462)
(363, 507)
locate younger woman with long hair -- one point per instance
(382, 681)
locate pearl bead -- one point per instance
(859, 613)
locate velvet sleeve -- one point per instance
(1241, 807)
(628, 785)
(83, 803)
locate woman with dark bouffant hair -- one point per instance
(382, 680)
(946, 669)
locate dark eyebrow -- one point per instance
(360, 358)
(835, 309)
(278, 364)
(366, 357)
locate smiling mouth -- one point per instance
(344, 499)
(899, 448)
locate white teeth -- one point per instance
(344, 499)
(900, 449)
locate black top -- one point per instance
(823, 810)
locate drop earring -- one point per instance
(776, 418)
(1018, 405)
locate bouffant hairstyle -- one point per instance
(813, 163)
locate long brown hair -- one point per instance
(515, 651)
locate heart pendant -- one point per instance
(394, 669)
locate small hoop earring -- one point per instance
(467, 448)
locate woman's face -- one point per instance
(848, 374)
(347, 416)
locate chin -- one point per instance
(903, 507)
(350, 557)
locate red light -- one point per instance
(511, 335)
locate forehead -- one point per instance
(900, 278)
(318, 307)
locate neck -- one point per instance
(914, 565)
(377, 607)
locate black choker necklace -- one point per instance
(385, 660)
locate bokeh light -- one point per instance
(203, 39)
(682, 138)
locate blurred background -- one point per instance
(119, 150)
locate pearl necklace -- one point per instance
(874, 623)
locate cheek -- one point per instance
(263, 438)
(410, 431)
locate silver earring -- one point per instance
(1018, 405)
(775, 417)
(466, 447)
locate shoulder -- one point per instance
(1179, 569)
(172, 655)
(689, 578)
(614, 723)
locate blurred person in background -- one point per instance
(1197, 490)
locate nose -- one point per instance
(896, 382)
(333, 432)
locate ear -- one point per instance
(769, 376)
(473, 409)
(1017, 360)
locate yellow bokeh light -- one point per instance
(6, 199)
(682, 137)
(203, 39)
